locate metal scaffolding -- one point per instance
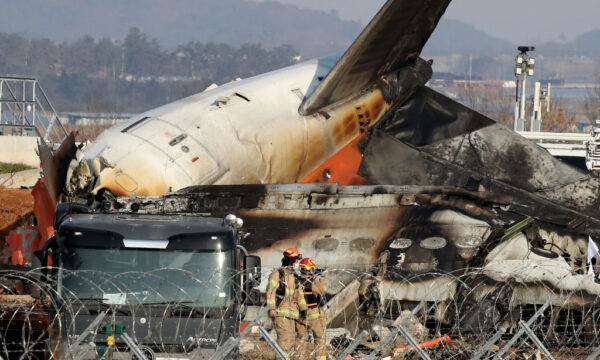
(25, 110)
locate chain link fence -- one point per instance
(180, 314)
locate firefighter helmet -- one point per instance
(307, 264)
(291, 253)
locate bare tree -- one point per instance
(558, 120)
(493, 102)
(592, 101)
(87, 132)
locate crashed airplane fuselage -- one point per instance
(279, 127)
(244, 132)
(366, 117)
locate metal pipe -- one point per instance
(15, 102)
(272, 343)
(18, 78)
(34, 103)
(133, 346)
(522, 105)
(91, 328)
(413, 343)
(228, 346)
(535, 339)
(594, 355)
(23, 108)
(394, 332)
(484, 349)
(520, 332)
(353, 345)
(53, 119)
(1, 86)
(243, 249)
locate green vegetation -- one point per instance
(6, 168)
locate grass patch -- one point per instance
(6, 168)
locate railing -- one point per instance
(26, 110)
(163, 313)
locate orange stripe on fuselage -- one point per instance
(342, 167)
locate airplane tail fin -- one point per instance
(393, 39)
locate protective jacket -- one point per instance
(281, 293)
(313, 293)
(312, 307)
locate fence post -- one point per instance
(594, 354)
(535, 339)
(228, 346)
(391, 336)
(353, 345)
(91, 327)
(521, 331)
(132, 345)
(484, 349)
(272, 343)
(413, 343)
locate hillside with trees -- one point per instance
(140, 54)
(233, 22)
(134, 74)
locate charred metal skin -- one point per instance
(483, 255)
(463, 180)
(426, 231)
(292, 124)
(273, 128)
(431, 140)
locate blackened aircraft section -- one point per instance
(468, 179)
(392, 40)
(422, 230)
(430, 139)
(428, 117)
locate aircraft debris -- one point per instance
(453, 210)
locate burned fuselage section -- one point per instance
(439, 245)
(430, 139)
(455, 206)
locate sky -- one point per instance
(518, 21)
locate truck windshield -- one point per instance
(147, 276)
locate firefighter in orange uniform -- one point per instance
(282, 300)
(312, 287)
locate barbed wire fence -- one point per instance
(179, 314)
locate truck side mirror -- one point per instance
(252, 274)
(253, 264)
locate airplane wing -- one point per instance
(393, 39)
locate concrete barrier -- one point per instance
(25, 178)
(19, 149)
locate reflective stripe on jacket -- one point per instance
(287, 304)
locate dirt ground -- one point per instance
(15, 204)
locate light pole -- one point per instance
(524, 65)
